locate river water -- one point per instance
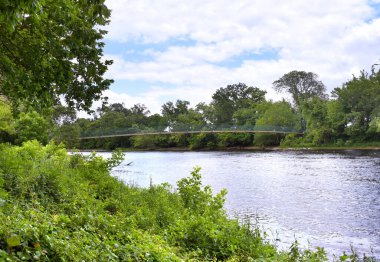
(329, 199)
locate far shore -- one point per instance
(232, 149)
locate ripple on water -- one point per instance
(328, 199)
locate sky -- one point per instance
(175, 49)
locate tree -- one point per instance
(139, 109)
(30, 126)
(63, 115)
(139, 115)
(318, 114)
(7, 122)
(12, 11)
(110, 122)
(6, 117)
(171, 111)
(360, 102)
(53, 48)
(69, 134)
(115, 107)
(206, 111)
(157, 122)
(301, 85)
(233, 97)
(189, 121)
(277, 115)
(245, 116)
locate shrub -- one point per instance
(60, 207)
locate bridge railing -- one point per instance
(190, 129)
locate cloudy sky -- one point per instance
(176, 49)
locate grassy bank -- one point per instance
(58, 207)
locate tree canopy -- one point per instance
(53, 48)
(301, 85)
(227, 100)
(360, 102)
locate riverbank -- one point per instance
(305, 195)
(68, 207)
(234, 149)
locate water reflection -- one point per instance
(329, 199)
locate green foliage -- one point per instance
(116, 158)
(199, 199)
(181, 118)
(67, 133)
(203, 140)
(60, 207)
(351, 118)
(7, 122)
(31, 126)
(360, 99)
(6, 117)
(246, 116)
(226, 140)
(226, 101)
(302, 85)
(276, 114)
(374, 126)
(144, 142)
(53, 48)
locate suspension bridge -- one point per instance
(127, 132)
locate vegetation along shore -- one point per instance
(56, 206)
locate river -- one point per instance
(328, 199)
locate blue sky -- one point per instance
(173, 49)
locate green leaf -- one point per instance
(14, 241)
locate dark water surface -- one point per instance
(329, 199)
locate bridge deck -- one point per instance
(193, 132)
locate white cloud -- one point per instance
(331, 38)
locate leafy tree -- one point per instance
(278, 115)
(140, 109)
(30, 126)
(12, 11)
(139, 114)
(191, 121)
(360, 102)
(168, 110)
(171, 111)
(203, 140)
(246, 117)
(207, 112)
(63, 115)
(336, 118)
(234, 139)
(233, 97)
(374, 126)
(6, 117)
(318, 130)
(53, 48)
(110, 122)
(115, 107)
(69, 134)
(182, 118)
(157, 122)
(301, 85)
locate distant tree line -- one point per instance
(350, 116)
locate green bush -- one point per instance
(31, 126)
(234, 139)
(60, 207)
(203, 140)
